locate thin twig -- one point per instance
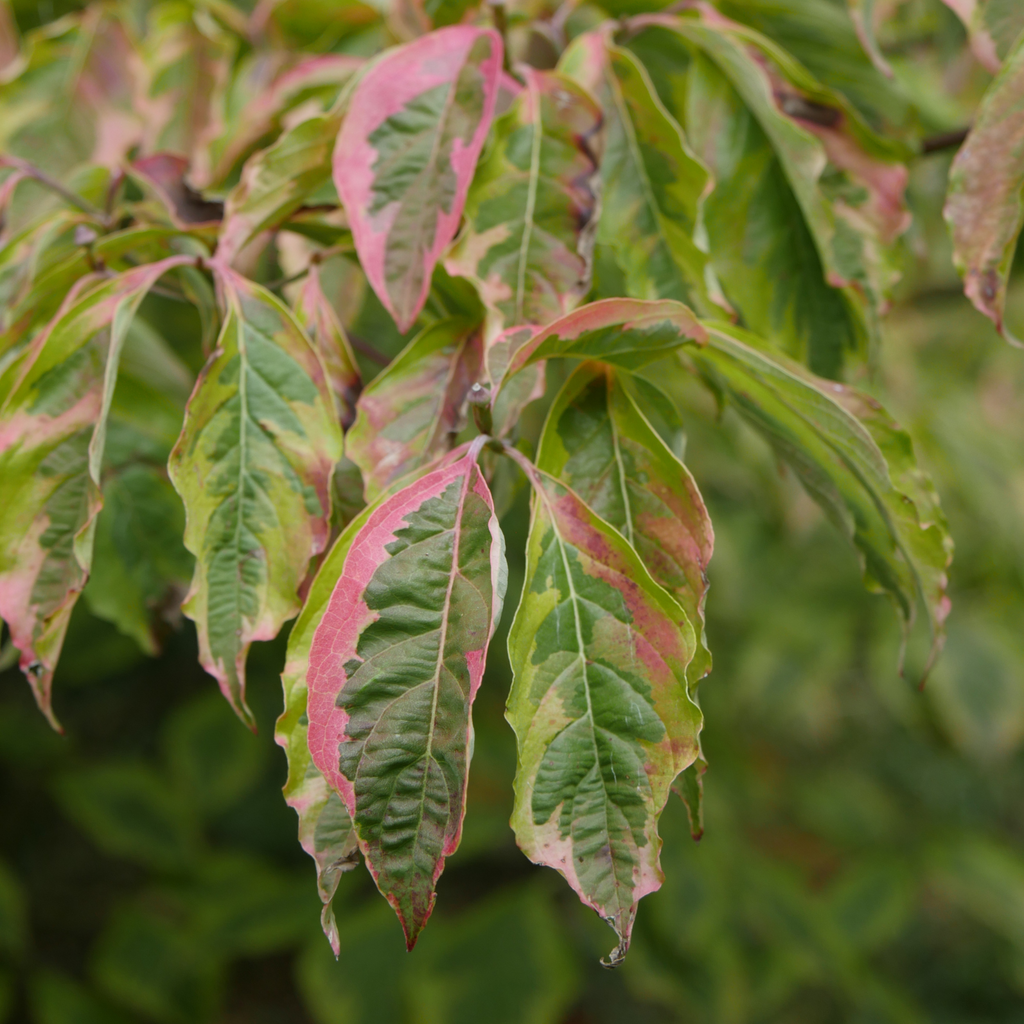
(944, 140)
(26, 167)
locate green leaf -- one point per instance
(155, 968)
(213, 761)
(852, 459)
(394, 665)
(53, 426)
(140, 567)
(599, 705)
(598, 442)
(623, 332)
(13, 918)
(985, 208)
(253, 467)
(862, 13)
(129, 811)
(406, 154)
(806, 196)
(58, 999)
(532, 209)
(408, 414)
(277, 181)
(652, 185)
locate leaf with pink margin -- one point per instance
(984, 206)
(253, 466)
(532, 209)
(52, 436)
(407, 414)
(406, 154)
(599, 705)
(992, 27)
(276, 181)
(321, 76)
(624, 332)
(393, 669)
(598, 442)
(316, 314)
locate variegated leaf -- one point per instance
(625, 332)
(599, 704)
(406, 155)
(406, 415)
(325, 826)
(52, 436)
(652, 185)
(808, 200)
(993, 27)
(598, 442)
(985, 206)
(262, 104)
(253, 466)
(393, 669)
(276, 182)
(318, 316)
(532, 209)
(852, 459)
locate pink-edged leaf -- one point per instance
(985, 206)
(406, 415)
(52, 436)
(532, 210)
(253, 466)
(598, 442)
(599, 704)
(276, 181)
(992, 27)
(625, 332)
(406, 155)
(263, 109)
(318, 316)
(393, 669)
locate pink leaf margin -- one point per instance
(336, 639)
(384, 91)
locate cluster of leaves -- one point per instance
(568, 219)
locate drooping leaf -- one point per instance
(599, 704)
(52, 435)
(598, 443)
(993, 27)
(406, 415)
(808, 200)
(325, 827)
(393, 669)
(532, 209)
(625, 332)
(253, 467)
(406, 154)
(852, 459)
(652, 186)
(985, 207)
(318, 316)
(277, 181)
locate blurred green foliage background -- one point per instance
(862, 860)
